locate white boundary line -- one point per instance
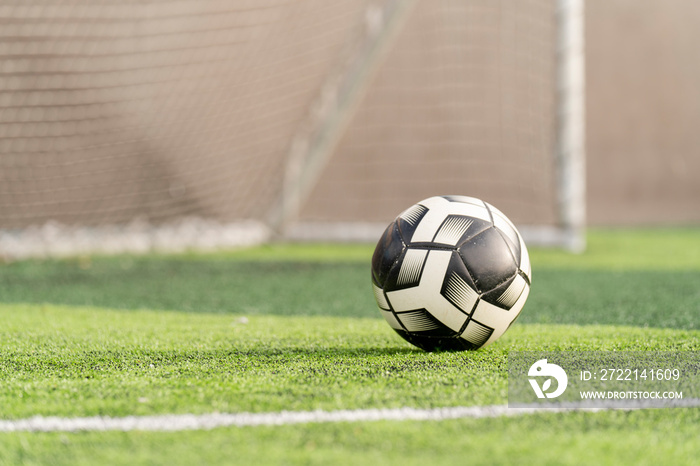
(178, 422)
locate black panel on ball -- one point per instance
(392, 280)
(429, 325)
(476, 227)
(387, 252)
(488, 259)
(459, 269)
(492, 297)
(514, 247)
(436, 343)
(408, 226)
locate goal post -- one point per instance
(565, 152)
(571, 129)
(184, 124)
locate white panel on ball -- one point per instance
(439, 209)
(427, 294)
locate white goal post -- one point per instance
(179, 124)
(568, 150)
(571, 140)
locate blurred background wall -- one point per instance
(643, 119)
(643, 111)
(165, 110)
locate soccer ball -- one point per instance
(451, 273)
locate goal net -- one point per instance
(175, 124)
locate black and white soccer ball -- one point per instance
(451, 273)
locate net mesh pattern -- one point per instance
(464, 104)
(157, 110)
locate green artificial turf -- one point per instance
(75, 361)
(646, 278)
(647, 437)
(69, 361)
(295, 327)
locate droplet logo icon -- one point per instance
(541, 369)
